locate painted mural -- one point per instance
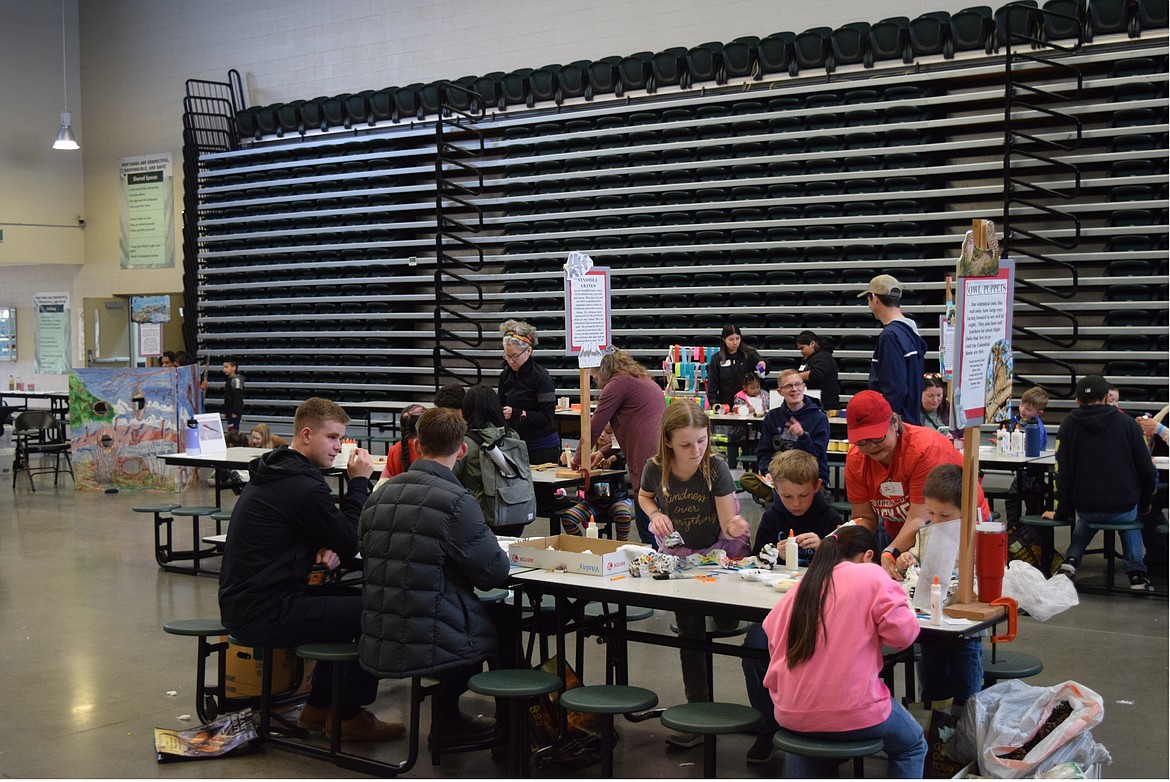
(123, 419)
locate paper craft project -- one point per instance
(939, 553)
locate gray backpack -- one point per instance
(508, 495)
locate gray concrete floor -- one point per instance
(88, 667)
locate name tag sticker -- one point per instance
(891, 489)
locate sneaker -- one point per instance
(364, 726)
(761, 751)
(313, 717)
(1068, 567)
(685, 740)
(1138, 582)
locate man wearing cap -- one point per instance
(885, 470)
(900, 354)
(1104, 475)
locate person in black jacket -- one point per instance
(527, 393)
(819, 368)
(729, 365)
(285, 522)
(1104, 474)
(425, 546)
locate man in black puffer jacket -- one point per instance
(425, 545)
(285, 522)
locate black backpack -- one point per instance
(508, 495)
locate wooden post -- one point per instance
(966, 606)
(586, 438)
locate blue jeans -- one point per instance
(951, 669)
(904, 742)
(753, 678)
(1131, 540)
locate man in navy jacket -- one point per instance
(900, 355)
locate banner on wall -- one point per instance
(147, 212)
(52, 333)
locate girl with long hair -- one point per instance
(825, 640)
(687, 488)
(406, 450)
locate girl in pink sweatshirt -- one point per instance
(825, 640)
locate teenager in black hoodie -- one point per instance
(1104, 474)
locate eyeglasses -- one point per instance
(513, 356)
(870, 442)
(791, 386)
(930, 375)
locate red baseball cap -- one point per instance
(867, 416)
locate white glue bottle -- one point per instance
(791, 552)
(935, 602)
(591, 530)
(1001, 441)
(1018, 443)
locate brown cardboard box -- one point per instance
(243, 671)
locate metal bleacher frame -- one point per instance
(338, 299)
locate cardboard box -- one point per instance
(568, 554)
(242, 671)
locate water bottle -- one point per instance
(191, 438)
(1032, 439)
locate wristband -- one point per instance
(891, 556)
(1159, 430)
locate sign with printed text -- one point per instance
(982, 347)
(587, 315)
(147, 211)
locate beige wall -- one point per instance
(137, 55)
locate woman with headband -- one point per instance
(527, 393)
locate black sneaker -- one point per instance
(761, 751)
(1068, 567)
(1138, 582)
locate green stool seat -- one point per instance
(208, 697)
(221, 515)
(491, 595)
(608, 700)
(339, 652)
(161, 507)
(194, 510)
(829, 749)
(1009, 665)
(713, 632)
(1046, 529)
(547, 603)
(844, 508)
(195, 627)
(1040, 521)
(513, 684)
(633, 613)
(710, 720)
(1109, 548)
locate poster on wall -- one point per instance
(587, 313)
(147, 212)
(52, 333)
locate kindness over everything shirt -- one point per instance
(690, 504)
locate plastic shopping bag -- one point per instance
(1040, 597)
(1012, 719)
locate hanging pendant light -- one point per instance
(65, 137)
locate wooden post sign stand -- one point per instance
(966, 606)
(587, 334)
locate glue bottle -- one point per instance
(1001, 441)
(791, 551)
(591, 530)
(935, 602)
(1018, 443)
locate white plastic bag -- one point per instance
(1040, 597)
(1003, 718)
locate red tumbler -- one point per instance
(990, 559)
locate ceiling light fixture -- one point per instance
(65, 137)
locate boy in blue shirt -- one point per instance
(798, 505)
(1028, 486)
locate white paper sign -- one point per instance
(211, 439)
(587, 316)
(982, 350)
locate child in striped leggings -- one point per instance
(618, 511)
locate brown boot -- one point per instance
(313, 717)
(364, 726)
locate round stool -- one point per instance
(207, 698)
(194, 512)
(709, 720)
(1109, 548)
(1008, 665)
(512, 684)
(633, 613)
(615, 651)
(491, 595)
(809, 747)
(1047, 529)
(335, 654)
(608, 700)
